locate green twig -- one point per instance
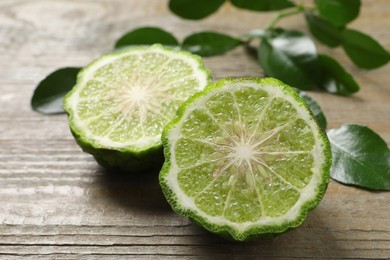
(295, 10)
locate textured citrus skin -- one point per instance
(125, 158)
(254, 231)
(122, 159)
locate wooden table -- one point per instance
(56, 202)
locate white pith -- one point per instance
(243, 150)
(134, 99)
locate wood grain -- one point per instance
(57, 203)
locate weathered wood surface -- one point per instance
(56, 202)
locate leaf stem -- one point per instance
(292, 11)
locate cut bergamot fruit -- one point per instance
(122, 101)
(245, 158)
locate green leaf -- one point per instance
(360, 157)
(291, 57)
(209, 43)
(315, 109)
(50, 92)
(323, 31)
(262, 5)
(194, 9)
(335, 78)
(363, 50)
(146, 36)
(338, 12)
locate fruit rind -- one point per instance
(251, 231)
(125, 157)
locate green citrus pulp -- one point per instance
(122, 101)
(245, 158)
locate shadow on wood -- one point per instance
(138, 191)
(311, 240)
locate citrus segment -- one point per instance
(122, 101)
(245, 157)
(195, 178)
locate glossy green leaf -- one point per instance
(146, 36)
(323, 31)
(335, 78)
(50, 92)
(360, 157)
(262, 5)
(291, 57)
(363, 50)
(209, 43)
(338, 12)
(315, 109)
(194, 9)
